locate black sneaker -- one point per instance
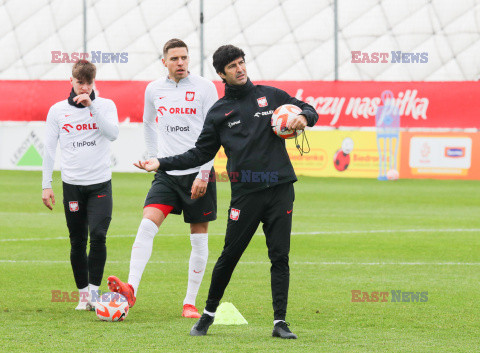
(202, 325)
(281, 330)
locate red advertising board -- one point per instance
(420, 104)
(348, 104)
(31, 100)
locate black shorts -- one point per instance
(91, 201)
(175, 190)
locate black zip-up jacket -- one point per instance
(240, 122)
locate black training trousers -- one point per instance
(87, 208)
(273, 207)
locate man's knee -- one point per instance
(98, 240)
(280, 258)
(154, 214)
(78, 244)
(98, 231)
(199, 228)
(230, 256)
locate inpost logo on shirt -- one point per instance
(27, 154)
(169, 128)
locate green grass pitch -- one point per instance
(348, 234)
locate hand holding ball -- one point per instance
(280, 118)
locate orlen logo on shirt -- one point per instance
(79, 127)
(175, 110)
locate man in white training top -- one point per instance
(179, 103)
(84, 125)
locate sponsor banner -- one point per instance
(347, 104)
(440, 156)
(334, 153)
(351, 154)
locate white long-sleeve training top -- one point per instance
(85, 135)
(180, 109)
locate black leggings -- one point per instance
(87, 208)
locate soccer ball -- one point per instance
(392, 174)
(341, 160)
(281, 116)
(111, 307)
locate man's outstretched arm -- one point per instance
(206, 147)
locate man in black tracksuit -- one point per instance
(261, 177)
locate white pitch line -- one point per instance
(388, 231)
(29, 214)
(373, 231)
(267, 263)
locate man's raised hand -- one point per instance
(83, 99)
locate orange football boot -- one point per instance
(190, 311)
(125, 289)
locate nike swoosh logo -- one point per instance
(101, 196)
(67, 115)
(288, 212)
(161, 97)
(196, 271)
(227, 114)
(206, 214)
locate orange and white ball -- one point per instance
(281, 116)
(111, 307)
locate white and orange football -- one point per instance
(281, 116)
(111, 307)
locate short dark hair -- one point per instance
(225, 55)
(173, 43)
(84, 70)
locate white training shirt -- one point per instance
(85, 135)
(180, 109)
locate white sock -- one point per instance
(92, 292)
(92, 287)
(141, 251)
(83, 295)
(209, 313)
(196, 265)
(277, 321)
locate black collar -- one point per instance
(232, 91)
(73, 95)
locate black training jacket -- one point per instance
(240, 122)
